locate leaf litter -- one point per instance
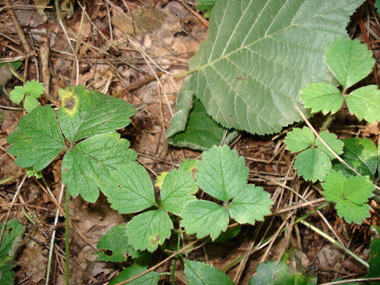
(110, 60)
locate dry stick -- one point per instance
(68, 39)
(159, 264)
(200, 18)
(20, 33)
(326, 145)
(12, 203)
(78, 43)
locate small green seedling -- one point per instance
(29, 93)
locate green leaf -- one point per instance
(205, 4)
(250, 204)
(377, 6)
(149, 230)
(177, 190)
(116, 241)
(270, 272)
(37, 140)
(200, 273)
(86, 113)
(350, 195)
(30, 91)
(150, 278)
(374, 255)
(201, 132)
(361, 154)
(365, 103)
(349, 61)
(230, 233)
(90, 162)
(299, 139)
(129, 189)
(221, 173)
(312, 164)
(204, 218)
(188, 164)
(258, 56)
(332, 141)
(322, 96)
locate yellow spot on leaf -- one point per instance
(69, 101)
(155, 240)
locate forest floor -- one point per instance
(137, 64)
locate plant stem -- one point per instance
(67, 237)
(175, 259)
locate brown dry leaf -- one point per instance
(144, 20)
(33, 260)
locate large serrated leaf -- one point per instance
(258, 56)
(85, 113)
(200, 273)
(91, 161)
(149, 230)
(38, 140)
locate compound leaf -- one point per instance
(365, 103)
(129, 189)
(177, 190)
(204, 218)
(30, 91)
(250, 204)
(116, 241)
(349, 61)
(299, 139)
(313, 164)
(361, 154)
(38, 140)
(149, 230)
(150, 278)
(350, 195)
(322, 96)
(200, 273)
(258, 56)
(91, 161)
(332, 141)
(85, 113)
(221, 173)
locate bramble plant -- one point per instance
(350, 62)
(97, 159)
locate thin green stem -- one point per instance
(327, 123)
(175, 259)
(67, 237)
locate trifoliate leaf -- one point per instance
(332, 141)
(250, 204)
(374, 256)
(322, 96)
(350, 195)
(204, 218)
(149, 230)
(200, 273)
(129, 189)
(177, 190)
(221, 173)
(150, 278)
(299, 139)
(188, 164)
(361, 154)
(37, 140)
(258, 56)
(365, 103)
(312, 164)
(85, 113)
(288, 271)
(116, 241)
(349, 61)
(160, 179)
(90, 162)
(30, 91)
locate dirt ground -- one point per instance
(135, 59)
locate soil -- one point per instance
(135, 59)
